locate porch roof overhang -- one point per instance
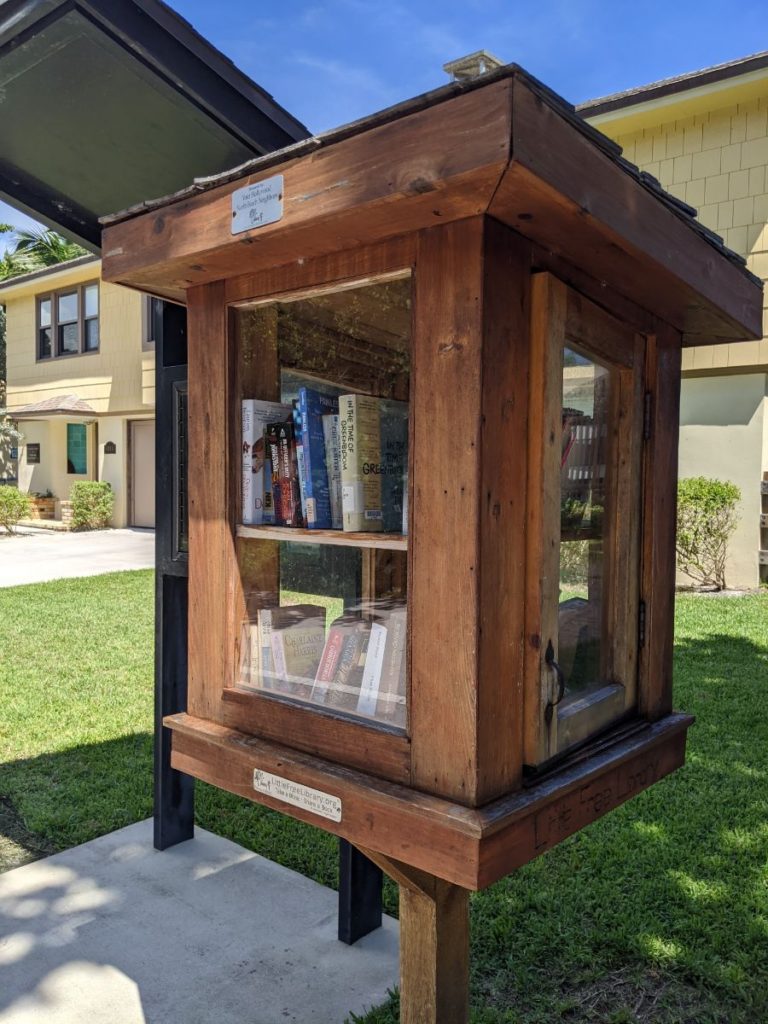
(107, 102)
(60, 405)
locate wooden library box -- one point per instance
(434, 373)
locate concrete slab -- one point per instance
(113, 932)
(38, 555)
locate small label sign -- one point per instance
(257, 205)
(322, 804)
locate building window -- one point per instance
(68, 322)
(77, 449)
(153, 319)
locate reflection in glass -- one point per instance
(334, 635)
(45, 313)
(67, 307)
(68, 340)
(584, 501)
(92, 300)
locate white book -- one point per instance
(333, 464)
(374, 663)
(255, 416)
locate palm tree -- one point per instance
(45, 247)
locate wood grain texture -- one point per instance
(360, 745)
(211, 545)
(469, 847)
(676, 263)
(502, 518)
(335, 269)
(549, 302)
(336, 538)
(444, 554)
(391, 179)
(659, 522)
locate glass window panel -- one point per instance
(92, 300)
(326, 466)
(67, 307)
(91, 335)
(77, 453)
(45, 312)
(44, 349)
(585, 506)
(68, 339)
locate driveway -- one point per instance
(40, 555)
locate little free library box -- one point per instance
(434, 369)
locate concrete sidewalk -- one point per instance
(39, 555)
(113, 932)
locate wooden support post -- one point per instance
(434, 945)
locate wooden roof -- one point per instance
(503, 145)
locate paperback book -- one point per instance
(297, 640)
(374, 461)
(313, 405)
(256, 414)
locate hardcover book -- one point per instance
(390, 696)
(374, 460)
(297, 640)
(313, 406)
(344, 688)
(339, 631)
(367, 701)
(333, 465)
(286, 494)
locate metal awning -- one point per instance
(106, 103)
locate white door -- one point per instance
(143, 473)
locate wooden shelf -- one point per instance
(386, 541)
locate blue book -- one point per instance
(313, 405)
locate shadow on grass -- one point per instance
(658, 913)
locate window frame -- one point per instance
(561, 318)
(73, 472)
(53, 297)
(148, 342)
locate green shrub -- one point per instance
(706, 519)
(92, 504)
(14, 505)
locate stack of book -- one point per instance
(328, 461)
(357, 665)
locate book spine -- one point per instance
(288, 476)
(278, 655)
(394, 463)
(360, 463)
(312, 405)
(374, 663)
(266, 659)
(329, 663)
(390, 705)
(248, 442)
(344, 690)
(269, 503)
(272, 445)
(333, 465)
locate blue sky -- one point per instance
(333, 62)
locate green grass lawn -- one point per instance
(658, 913)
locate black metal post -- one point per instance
(360, 884)
(174, 811)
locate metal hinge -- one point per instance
(647, 411)
(641, 625)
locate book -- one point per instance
(266, 660)
(296, 417)
(344, 689)
(390, 702)
(255, 415)
(374, 458)
(338, 632)
(313, 406)
(374, 663)
(333, 467)
(286, 495)
(297, 639)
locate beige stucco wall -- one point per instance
(50, 474)
(710, 149)
(722, 427)
(118, 382)
(117, 378)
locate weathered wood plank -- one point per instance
(211, 544)
(379, 184)
(659, 523)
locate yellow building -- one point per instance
(704, 136)
(81, 383)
